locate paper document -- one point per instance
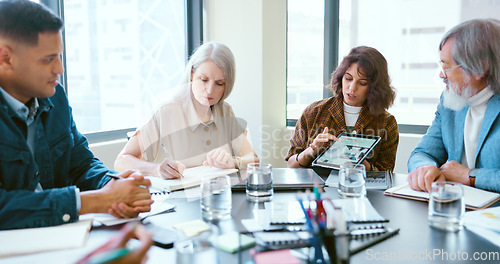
(41, 239)
(159, 206)
(485, 223)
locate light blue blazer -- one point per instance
(444, 141)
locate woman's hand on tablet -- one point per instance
(321, 142)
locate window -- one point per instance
(404, 33)
(304, 55)
(122, 58)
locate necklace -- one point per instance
(351, 113)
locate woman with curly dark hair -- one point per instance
(362, 93)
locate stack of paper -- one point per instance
(485, 223)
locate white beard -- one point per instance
(453, 100)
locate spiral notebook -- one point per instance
(359, 213)
(283, 239)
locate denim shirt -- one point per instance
(61, 162)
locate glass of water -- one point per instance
(352, 181)
(446, 206)
(216, 197)
(259, 182)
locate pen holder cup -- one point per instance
(337, 246)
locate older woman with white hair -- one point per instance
(197, 127)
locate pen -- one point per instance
(110, 255)
(114, 176)
(107, 256)
(170, 157)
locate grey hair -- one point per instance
(476, 48)
(221, 55)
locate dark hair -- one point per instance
(374, 67)
(476, 48)
(23, 20)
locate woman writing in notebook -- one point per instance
(362, 93)
(196, 127)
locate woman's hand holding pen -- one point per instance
(219, 158)
(170, 169)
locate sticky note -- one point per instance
(282, 256)
(192, 228)
(229, 241)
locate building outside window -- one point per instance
(406, 32)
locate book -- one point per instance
(192, 177)
(474, 198)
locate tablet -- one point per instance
(352, 148)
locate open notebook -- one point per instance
(474, 198)
(192, 177)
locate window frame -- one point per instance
(194, 38)
(331, 57)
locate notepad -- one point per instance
(192, 177)
(474, 198)
(41, 239)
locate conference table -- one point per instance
(416, 241)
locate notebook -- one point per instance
(159, 206)
(474, 198)
(380, 180)
(359, 213)
(41, 239)
(284, 239)
(192, 177)
(287, 179)
(360, 241)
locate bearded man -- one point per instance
(463, 143)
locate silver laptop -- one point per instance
(287, 179)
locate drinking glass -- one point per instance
(216, 197)
(352, 180)
(446, 206)
(259, 182)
